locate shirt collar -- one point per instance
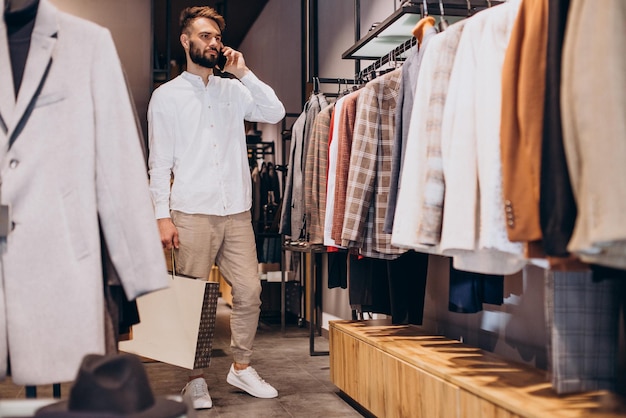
(194, 79)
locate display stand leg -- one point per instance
(313, 311)
(283, 289)
(301, 270)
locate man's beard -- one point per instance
(197, 57)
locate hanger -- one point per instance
(392, 59)
(346, 89)
(423, 24)
(316, 85)
(406, 47)
(443, 23)
(358, 82)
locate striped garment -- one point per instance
(370, 169)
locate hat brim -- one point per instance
(162, 408)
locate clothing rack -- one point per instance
(339, 81)
(398, 54)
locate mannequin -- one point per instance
(19, 16)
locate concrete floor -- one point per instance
(303, 381)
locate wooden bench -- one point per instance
(401, 371)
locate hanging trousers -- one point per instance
(582, 315)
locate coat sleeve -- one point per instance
(124, 204)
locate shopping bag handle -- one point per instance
(173, 273)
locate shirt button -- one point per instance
(14, 163)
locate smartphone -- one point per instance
(221, 61)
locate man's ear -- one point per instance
(184, 40)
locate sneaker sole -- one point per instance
(235, 383)
(197, 408)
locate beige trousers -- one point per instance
(229, 242)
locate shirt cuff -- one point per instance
(162, 212)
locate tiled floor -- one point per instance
(303, 381)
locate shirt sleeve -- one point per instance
(161, 158)
(263, 105)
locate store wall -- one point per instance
(272, 51)
(336, 34)
(130, 24)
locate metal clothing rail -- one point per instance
(339, 81)
(395, 55)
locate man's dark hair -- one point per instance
(189, 14)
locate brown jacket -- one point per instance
(523, 86)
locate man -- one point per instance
(197, 136)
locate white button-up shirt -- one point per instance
(196, 132)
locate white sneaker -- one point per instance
(199, 393)
(250, 381)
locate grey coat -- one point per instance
(75, 162)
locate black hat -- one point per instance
(112, 386)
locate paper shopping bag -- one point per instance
(177, 324)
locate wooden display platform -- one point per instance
(401, 371)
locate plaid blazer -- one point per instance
(315, 176)
(370, 169)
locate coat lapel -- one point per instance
(7, 95)
(42, 45)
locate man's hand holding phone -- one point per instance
(232, 61)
